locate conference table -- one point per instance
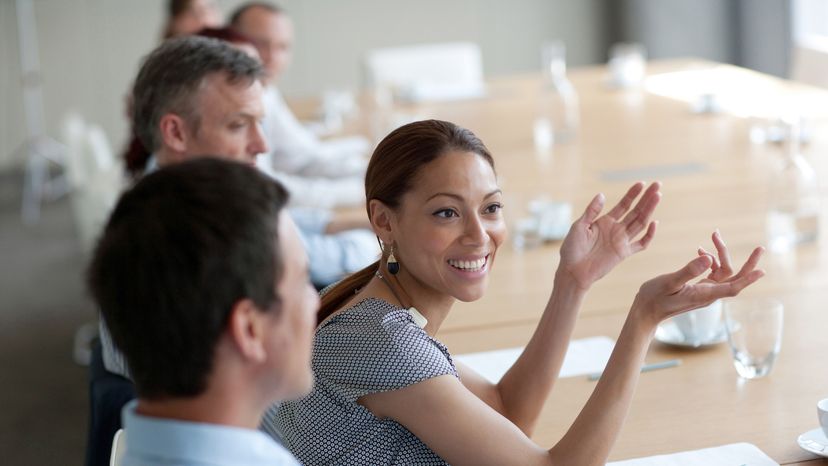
(713, 176)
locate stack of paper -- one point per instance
(735, 454)
(585, 356)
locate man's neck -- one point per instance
(211, 407)
(164, 156)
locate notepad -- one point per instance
(584, 356)
(734, 454)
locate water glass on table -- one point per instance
(754, 333)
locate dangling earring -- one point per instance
(392, 264)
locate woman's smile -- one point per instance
(471, 266)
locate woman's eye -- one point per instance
(446, 213)
(493, 208)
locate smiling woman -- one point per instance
(387, 392)
(426, 208)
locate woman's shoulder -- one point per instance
(374, 346)
(374, 329)
(366, 315)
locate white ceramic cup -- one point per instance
(700, 325)
(822, 412)
(627, 64)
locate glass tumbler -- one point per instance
(754, 333)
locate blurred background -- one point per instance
(81, 55)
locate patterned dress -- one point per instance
(371, 347)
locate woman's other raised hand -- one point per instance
(596, 244)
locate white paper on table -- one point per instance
(584, 356)
(734, 454)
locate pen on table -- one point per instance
(645, 367)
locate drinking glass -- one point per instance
(558, 109)
(754, 333)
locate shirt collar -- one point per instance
(152, 164)
(157, 440)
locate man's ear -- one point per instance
(382, 219)
(247, 329)
(174, 132)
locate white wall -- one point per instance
(91, 49)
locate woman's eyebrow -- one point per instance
(460, 198)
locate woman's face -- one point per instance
(448, 227)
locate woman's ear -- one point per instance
(174, 132)
(247, 329)
(382, 218)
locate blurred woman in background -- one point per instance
(185, 17)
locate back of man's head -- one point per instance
(181, 248)
(171, 76)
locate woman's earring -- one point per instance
(392, 264)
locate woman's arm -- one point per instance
(589, 441)
(463, 429)
(595, 244)
(521, 392)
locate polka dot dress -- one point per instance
(371, 347)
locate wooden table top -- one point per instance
(713, 177)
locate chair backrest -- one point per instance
(73, 129)
(118, 448)
(809, 61)
(95, 176)
(428, 72)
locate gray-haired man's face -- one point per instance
(230, 116)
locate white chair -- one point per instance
(809, 61)
(96, 178)
(428, 72)
(118, 448)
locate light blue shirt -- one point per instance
(331, 257)
(156, 441)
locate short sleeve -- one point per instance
(376, 347)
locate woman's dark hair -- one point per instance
(181, 248)
(392, 171)
(175, 8)
(226, 34)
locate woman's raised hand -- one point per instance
(595, 245)
(670, 294)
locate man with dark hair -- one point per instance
(201, 278)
